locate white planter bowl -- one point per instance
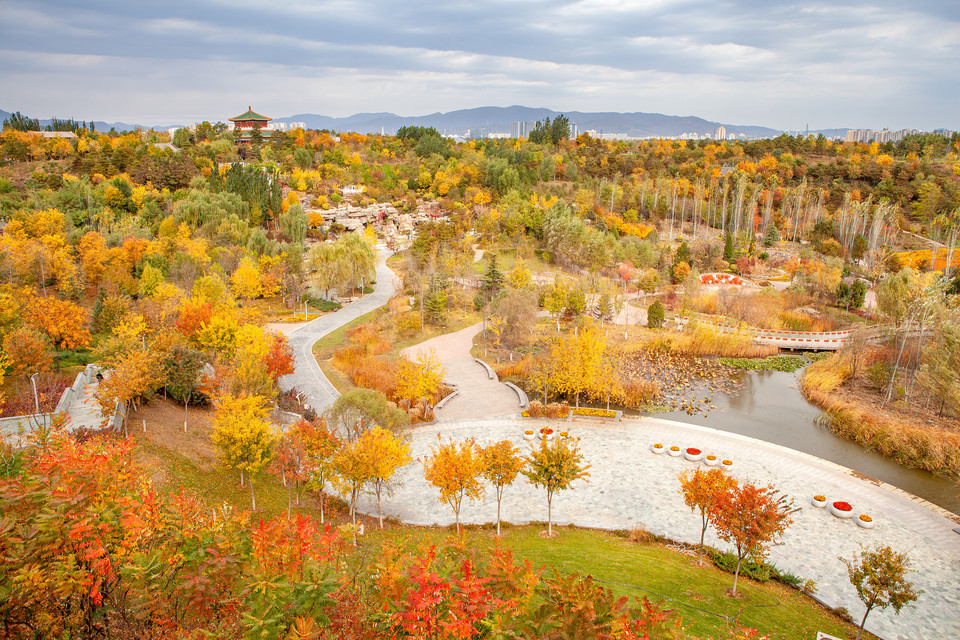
(658, 450)
(529, 436)
(693, 457)
(819, 504)
(865, 525)
(843, 515)
(711, 463)
(673, 453)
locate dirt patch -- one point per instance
(164, 428)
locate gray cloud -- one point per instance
(779, 64)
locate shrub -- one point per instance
(655, 315)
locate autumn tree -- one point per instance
(290, 462)
(502, 462)
(279, 357)
(421, 377)
(243, 433)
(752, 518)
(133, 375)
(700, 490)
(320, 445)
(246, 281)
(579, 358)
(385, 453)
(455, 469)
(555, 466)
(352, 470)
(27, 351)
(64, 322)
(879, 576)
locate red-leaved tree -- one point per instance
(751, 518)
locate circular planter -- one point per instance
(528, 435)
(840, 513)
(864, 524)
(819, 504)
(711, 461)
(674, 451)
(726, 464)
(658, 448)
(693, 455)
(546, 434)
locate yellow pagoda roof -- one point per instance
(250, 115)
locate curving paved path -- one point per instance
(629, 486)
(307, 376)
(479, 394)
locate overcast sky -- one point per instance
(850, 63)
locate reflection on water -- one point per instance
(770, 407)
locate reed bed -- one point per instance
(919, 447)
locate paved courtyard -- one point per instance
(630, 486)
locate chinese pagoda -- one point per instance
(245, 124)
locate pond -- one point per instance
(770, 407)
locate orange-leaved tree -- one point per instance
(320, 445)
(555, 466)
(63, 321)
(700, 490)
(279, 357)
(752, 518)
(502, 462)
(455, 469)
(244, 435)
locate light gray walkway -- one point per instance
(307, 377)
(84, 411)
(630, 486)
(479, 394)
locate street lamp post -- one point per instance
(36, 398)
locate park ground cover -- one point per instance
(632, 569)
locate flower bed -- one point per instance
(819, 501)
(590, 412)
(841, 509)
(546, 433)
(528, 434)
(727, 464)
(674, 451)
(865, 521)
(711, 461)
(693, 454)
(658, 448)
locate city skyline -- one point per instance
(785, 66)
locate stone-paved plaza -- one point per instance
(630, 486)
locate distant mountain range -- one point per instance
(498, 120)
(484, 120)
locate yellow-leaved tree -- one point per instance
(502, 462)
(385, 453)
(455, 469)
(244, 434)
(421, 377)
(246, 281)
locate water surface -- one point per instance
(770, 407)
